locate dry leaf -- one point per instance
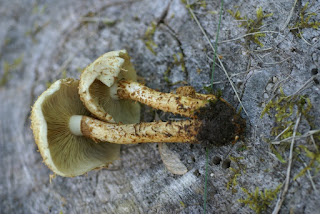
(171, 160)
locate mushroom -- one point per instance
(65, 153)
(189, 91)
(111, 80)
(66, 135)
(95, 88)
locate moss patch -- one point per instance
(178, 61)
(259, 201)
(236, 172)
(252, 25)
(8, 68)
(304, 22)
(148, 37)
(285, 110)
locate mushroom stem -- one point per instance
(153, 132)
(177, 104)
(189, 91)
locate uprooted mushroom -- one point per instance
(108, 86)
(66, 135)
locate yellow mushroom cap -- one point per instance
(63, 152)
(95, 85)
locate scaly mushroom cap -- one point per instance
(64, 153)
(95, 83)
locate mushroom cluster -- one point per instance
(79, 125)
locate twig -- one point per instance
(96, 19)
(221, 64)
(262, 50)
(276, 86)
(309, 133)
(303, 37)
(304, 86)
(245, 35)
(313, 142)
(290, 15)
(286, 186)
(273, 156)
(274, 63)
(282, 133)
(309, 175)
(211, 60)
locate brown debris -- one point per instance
(220, 124)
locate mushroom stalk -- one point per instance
(177, 104)
(153, 132)
(189, 91)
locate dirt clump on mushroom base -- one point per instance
(220, 124)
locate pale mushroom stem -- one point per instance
(177, 104)
(153, 132)
(189, 91)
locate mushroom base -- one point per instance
(220, 124)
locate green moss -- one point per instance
(259, 201)
(209, 90)
(242, 147)
(285, 109)
(8, 68)
(7, 41)
(194, 5)
(236, 172)
(166, 75)
(232, 182)
(203, 4)
(37, 28)
(252, 25)
(151, 30)
(198, 3)
(275, 151)
(304, 22)
(39, 9)
(178, 60)
(148, 37)
(182, 204)
(314, 161)
(109, 22)
(5, 76)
